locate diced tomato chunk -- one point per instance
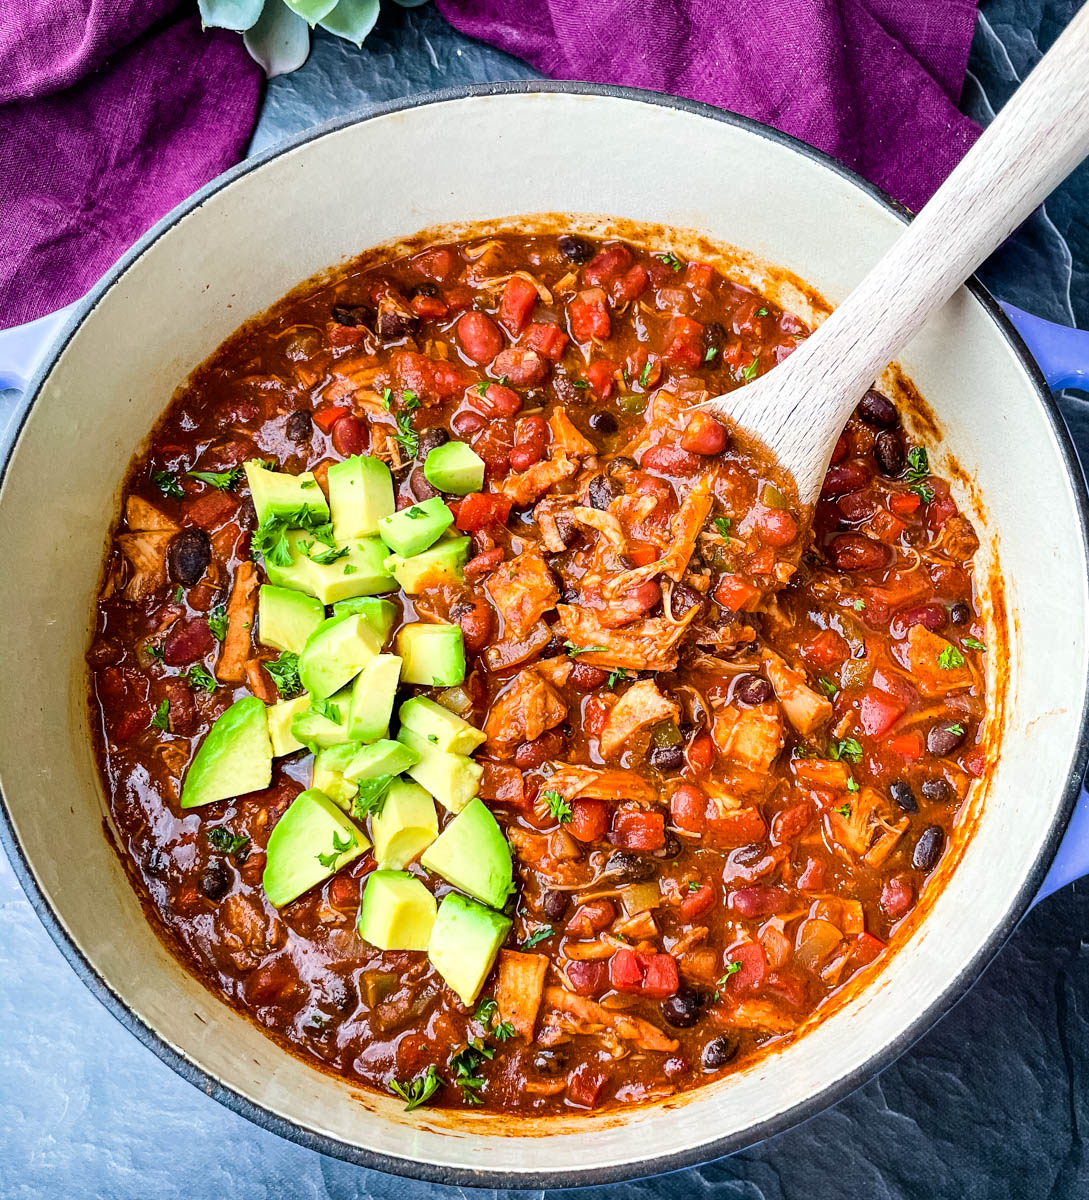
(812, 877)
(212, 509)
(695, 904)
(879, 712)
(642, 554)
(975, 762)
(588, 316)
(684, 342)
(907, 745)
(638, 829)
(345, 335)
(625, 971)
(790, 822)
(496, 400)
(595, 712)
(519, 299)
(827, 649)
(480, 509)
(736, 828)
(326, 418)
(435, 263)
(599, 375)
(589, 820)
(701, 752)
(867, 947)
(750, 965)
(776, 526)
(549, 340)
(609, 261)
(659, 976)
(736, 594)
(904, 504)
(629, 286)
(698, 275)
(187, 641)
(886, 527)
(585, 1085)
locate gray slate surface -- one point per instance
(991, 1104)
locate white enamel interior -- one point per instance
(469, 160)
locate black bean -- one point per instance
(575, 249)
(353, 316)
(671, 848)
(430, 439)
(188, 556)
(629, 868)
(714, 336)
(553, 648)
(427, 288)
(394, 325)
(215, 881)
(299, 427)
(667, 758)
(157, 864)
(684, 598)
(944, 739)
(960, 614)
(903, 795)
(753, 689)
(888, 449)
(928, 848)
(603, 491)
(603, 422)
(937, 791)
(419, 485)
(682, 1009)
(554, 904)
(549, 1061)
(620, 467)
(745, 856)
(878, 410)
(718, 1052)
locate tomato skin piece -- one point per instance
(879, 712)
(479, 336)
(517, 304)
(480, 509)
(684, 342)
(589, 820)
(638, 829)
(659, 976)
(908, 746)
(585, 1085)
(607, 262)
(903, 504)
(827, 649)
(588, 316)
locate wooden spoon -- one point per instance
(799, 409)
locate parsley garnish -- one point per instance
(852, 784)
(329, 859)
(749, 372)
(972, 643)
(406, 436)
(918, 467)
(617, 676)
(844, 810)
(325, 708)
(161, 719)
(387, 396)
(693, 885)
(644, 374)
(199, 677)
(957, 730)
(167, 483)
(671, 261)
(859, 605)
(504, 1031)
(950, 658)
(270, 537)
(580, 383)
(732, 968)
(711, 352)
(349, 569)
(828, 687)
(325, 557)
(847, 750)
(154, 650)
(415, 513)
(371, 796)
(419, 1090)
(540, 934)
(218, 622)
(557, 806)
(722, 524)
(225, 841)
(179, 594)
(761, 312)
(466, 1066)
(224, 480)
(285, 673)
(486, 1009)
(923, 490)
(573, 651)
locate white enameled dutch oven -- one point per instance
(501, 152)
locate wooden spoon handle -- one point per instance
(1036, 140)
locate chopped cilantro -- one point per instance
(846, 750)
(226, 842)
(722, 524)
(199, 677)
(371, 797)
(671, 261)
(167, 483)
(154, 651)
(957, 730)
(761, 312)
(486, 1009)
(285, 673)
(852, 784)
(710, 355)
(644, 374)
(859, 605)
(349, 569)
(325, 708)
(580, 383)
(504, 1031)
(466, 1066)
(406, 436)
(950, 658)
(971, 643)
(749, 373)
(387, 396)
(732, 968)
(218, 622)
(617, 676)
(918, 467)
(923, 490)
(161, 719)
(559, 808)
(325, 557)
(179, 594)
(844, 810)
(828, 687)
(224, 480)
(329, 859)
(419, 1090)
(540, 934)
(574, 651)
(693, 885)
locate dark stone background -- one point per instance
(991, 1104)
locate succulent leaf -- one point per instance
(352, 19)
(280, 41)
(230, 14)
(311, 11)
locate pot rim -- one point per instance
(714, 1148)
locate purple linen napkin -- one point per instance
(875, 83)
(111, 112)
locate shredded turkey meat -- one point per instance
(580, 1015)
(523, 711)
(640, 707)
(647, 645)
(522, 590)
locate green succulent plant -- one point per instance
(277, 32)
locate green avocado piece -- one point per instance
(397, 912)
(286, 618)
(455, 467)
(234, 758)
(360, 572)
(453, 779)
(360, 494)
(382, 614)
(323, 725)
(381, 758)
(444, 561)
(442, 728)
(277, 494)
(310, 842)
(405, 825)
(431, 655)
(465, 941)
(335, 653)
(373, 694)
(413, 529)
(329, 765)
(280, 717)
(473, 855)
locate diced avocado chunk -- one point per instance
(473, 855)
(360, 494)
(431, 655)
(277, 494)
(234, 758)
(442, 728)
(360, 572)
(464, 943)
(405, 825)
(452, 779)
(455, 467)
(286, 617)
(323, 725)
(294, 574)
(373, 694)
(442, 562)
(382, 614)
(310, 842)
(329, 765)
(381, 758)
(280, 717)
(413, 529)
(335, 653)
(397, 912)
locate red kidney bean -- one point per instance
(856, 552)
(480, 337)
(930, 616)
(523, 368)
(857, 506)
(671, 460)
(477, 625)
(587, 978)
(584, 678)
(776, 526)
(532, 754)
(897, 896)
(688, 808)
(350, 436)
(465, 423)
(524, 457)
(590, 918)
(759, 901)
(877, 410)
(187, 641)
(481, 564)
(703, 434)
(846, 478)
